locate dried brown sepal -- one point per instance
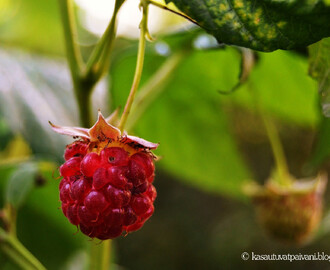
(102, 131)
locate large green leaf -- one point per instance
(283, 88)
(264, 25)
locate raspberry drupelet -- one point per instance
(107, 180)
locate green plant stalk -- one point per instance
(82, 88)
(14, 249)
(72, 49)
(99, 61)
(139, 65)
(83, 93)
(100, 255)
(283, 177)
(154, 86)
(85, 77)
(11, 215)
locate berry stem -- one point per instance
(14, 249)
(100, 255)
(282, 176)
(139, 64)
(154, 86)
(106, 255)
(84, 104)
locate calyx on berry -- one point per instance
(107, 187)
(290, 214)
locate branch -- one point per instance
(18, 253)
(99, 61)
(70, 36)
(154, 86)
(139, 65)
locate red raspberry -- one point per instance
(107, 184)
(101, 195)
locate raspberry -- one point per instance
(107, 181)
(105, 197)
(289, 214)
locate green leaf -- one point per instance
(319, 69)
(263, 25)
(37, 92)
(283, 87)
(191, 120)
(195, 145)
(21, 183)
(190, 124)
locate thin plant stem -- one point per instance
(278, 152)
(139, 65)
(106, 255)
(85, 77)
(70, 33)
(82, 89)
(283, 175)
(100, 255)
(83, 98)
(99, 60)
(14, 249)
(154, 87)
(11, 213)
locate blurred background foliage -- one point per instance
(211, 143)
